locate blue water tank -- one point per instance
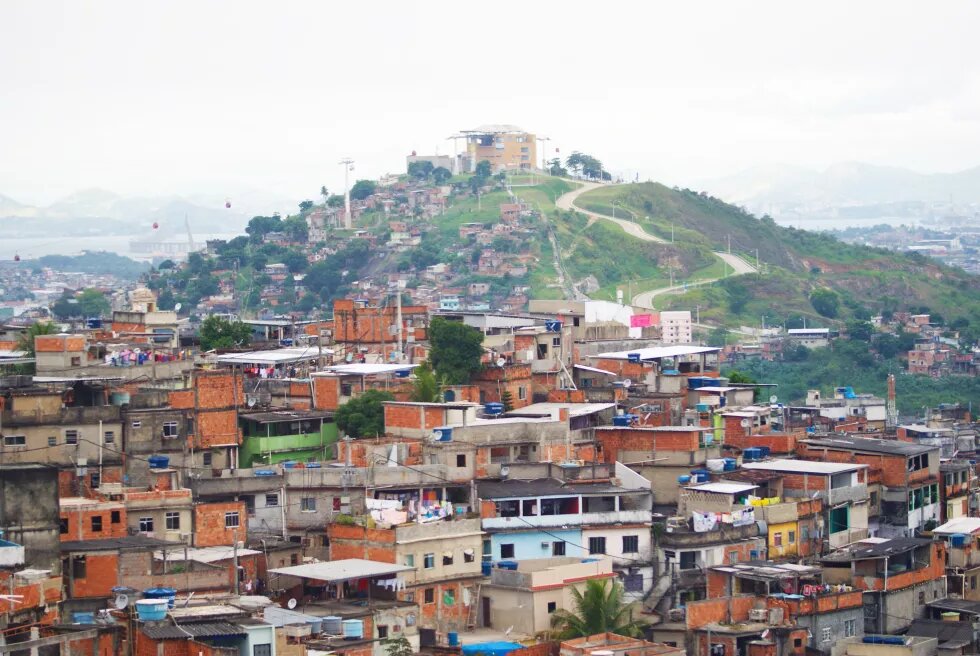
(493, 408)
(151, 610)
(507, 564)
(264, 472)
(731, 464)
(694, 382)
(353, 629)
(957, 539)
(445, 434)
(751, 453)
(170, 594)
(683, 479)
(453, 639)
(332, 625)
(763, 451)
(289, 464)
(883, 640)
(701, 475)
(402, 373)
(552, 326)
(702, 407)
(621, 420)
(159, 462)
(633, 357)
(485, 567)
(313, 465)
(83, 618)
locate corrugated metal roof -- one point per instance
(188, 631)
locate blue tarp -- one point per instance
(498, 648)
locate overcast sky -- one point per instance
(164, 97)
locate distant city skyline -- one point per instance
(217, 98)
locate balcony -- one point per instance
(557, 521)
(840, 495)
(234, 482)
(685, 538)
(778, 513)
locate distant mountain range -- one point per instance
(845, 184)
(98, 211)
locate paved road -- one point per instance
(645, 299)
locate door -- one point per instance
(262, 650)
(485, 604)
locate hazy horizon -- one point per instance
(215, 98)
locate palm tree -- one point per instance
(325, 194)
(426, 388)
(600, 608)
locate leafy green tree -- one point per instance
(456, 350)
(364, 415)
(860, 330)
(25, 342)
(399, 646)
(796, 353)
(362, 189)
(483, 169)
(335, 200)
(324, 194)
(295, 261)
(718, 336)
(307, 303)
(736, 376)
(166, 300)
(599, 608)
(297, 228)
(420, 170)
(887, 345)
(218, 332)
(426, 387)
(260, 226)
(738, 295)
(166, 264)
(441, 175)
(507, 400)
(86, 303)
(305, 206)
(555, 168)
(826, 302)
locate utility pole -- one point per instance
(398, 318)
(544, 154)
(729, 244)
(348, 167)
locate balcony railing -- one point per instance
(556, 521)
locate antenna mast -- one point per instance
(348, 167)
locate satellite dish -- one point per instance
(251, 401)
(291, 604)
(773, 398)
(504, 471)
(627, 383)
(436, 436)
(177, 307)
(121, 602)
(746, 423)
(501, 362)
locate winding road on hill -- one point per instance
(737, 265)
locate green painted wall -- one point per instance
(262, 450)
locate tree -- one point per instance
(362, 189)
(507, 400)
(260, 226)
(861, 330)
(295, 261)
(399, 646)
(324, 194)
(305, 206)
(796, 353)
(86, 303)
(825, 302)
(420, 170)
(483, 169)
(218, 332)
(456, 350)
(364, 415)
(166, 264)
(166, 300)
(555, 168)
(297, 228)
(718, 337)
(599, 608)
(441, 175)
(738, 295)
(426, 387)
(25, 342)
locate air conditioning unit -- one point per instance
(545, 545)
(677, 614)
(759, 614)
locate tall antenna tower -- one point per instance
(348, 167)
(891, 404)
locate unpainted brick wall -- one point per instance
(209, 524)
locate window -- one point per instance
(542, 351)
(115, 517)
(973, 582)
(78, 567)
(732, 557)
(448, 597)
(410, 560)
(94, 480)
(631, 544)
(873, 499)
(797, 642)
(271, 500)
(522, 392)
(792, 537)
(460, 459)
(447, 558)
(850, 628)
(552, 606)
(97, 524)
(507, 551)
(307, 504)
(264, 649)
(169, 429)
(430, 595)
(468, 556)
(15, 440)
(109, 437)
(922, 598)
(146, 524)
(173, 521)
(777, 539)
(597, 545)
(825, 634)
(137, 424)
(52, 441)
(71, 437)
(805, 533)
(232, 520)
(64, 525)
(556, 342)
(429, 561)
(839, 519)
(382, 631)
(557, 548)
(206, 459)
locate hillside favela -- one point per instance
(449, 329)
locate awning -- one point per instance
(337, 571)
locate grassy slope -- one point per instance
(798, 261)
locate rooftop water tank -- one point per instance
(957, 539)
(493, 408)
(353, 629)
(332, 624)
(683, 479)
(149, 610)
(264, 472)
(633, 357)
(167, 594)
(159, 462)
